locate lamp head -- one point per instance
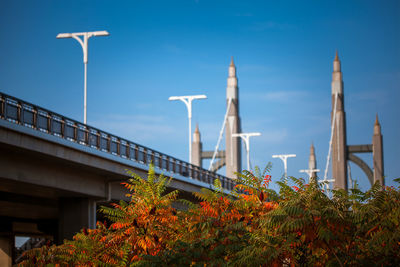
(173, 98)
(100, 33)
(64, 35)
(199, 97)
(189, 97)
(89, 34)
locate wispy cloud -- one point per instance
(276, 136)
(277, 96)
(138, 128)
(370, 96)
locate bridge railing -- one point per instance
(23, 113)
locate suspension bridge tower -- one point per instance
(339, 150)
(232, 145)
(339, 142)
(231, 156)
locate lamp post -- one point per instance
(284, 159)
(84, 43)
(326, 184)
(188, 102)
(246, 139)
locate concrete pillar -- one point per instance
(75, 214)
(197, 147)
(6, 248)
(233, 157)
(339, 141)
(312, 162)
(377, 153)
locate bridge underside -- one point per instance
(51, 191)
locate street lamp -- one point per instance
(84, 43)
(246, 139)
(188, 102)
(326, 184)
(284, 159)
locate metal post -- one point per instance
(188, 102)
(248, 154)
(190, 130)
(85, 97)
(84, 44)
(246, 139)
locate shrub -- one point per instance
(251, 226)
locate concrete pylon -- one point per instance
(377, 153)
(197, 147)
(312, 162)
(231, 157)
(339, 142)
(232, 145)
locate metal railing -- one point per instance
(23, 113)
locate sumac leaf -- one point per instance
(152, 211)
(261, 196)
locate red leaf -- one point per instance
(261, 196)
(152, 211)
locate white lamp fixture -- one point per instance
(310, 172)
(188, 102)
(284, 158)
(246, 139)
(84, 43)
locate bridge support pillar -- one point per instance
(6, 244)
(75, 214)
(377, 153)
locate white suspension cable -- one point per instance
(350, 178)
(331, 139)
(220, 134)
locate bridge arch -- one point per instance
(218, 165)
(364, 166)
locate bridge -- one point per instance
(55, 171)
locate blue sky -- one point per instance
(283, 51)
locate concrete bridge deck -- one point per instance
(54, 171)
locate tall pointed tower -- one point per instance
(232, 144)
(197, 147)
(312, 162)
(377, 153)
(339, 142)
